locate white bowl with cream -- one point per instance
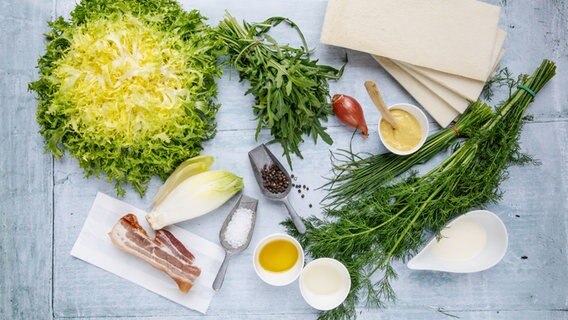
(472, 242)
(405, 123)
(325, 283)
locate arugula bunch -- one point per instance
(291, 88)
(127, 87)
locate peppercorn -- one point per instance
(273, 179)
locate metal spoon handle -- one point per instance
(221, 274)
(300, 226)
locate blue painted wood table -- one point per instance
(44, 202)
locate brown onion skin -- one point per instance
(349, 111)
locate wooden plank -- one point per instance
(236, 110)
(25, 171)
(536, 262)
(76, 276)
(515, 284)
(387, 314)
(523, 288)
(537, 30)
(361, 66)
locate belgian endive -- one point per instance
(194, 197)
(185, 170)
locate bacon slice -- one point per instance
(165, 252)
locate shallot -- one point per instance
(349, 111)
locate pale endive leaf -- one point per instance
(194, 197)
(186, 169)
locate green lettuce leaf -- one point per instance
(128, 88)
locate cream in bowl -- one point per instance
(411, 132)
(325, 283)
(278, 259)
(472, 242)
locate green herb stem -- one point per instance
(356, 176)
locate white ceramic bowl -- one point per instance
(327, 300)
(278, 278)
(422, 121)
(494, 249)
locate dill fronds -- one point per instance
(368, 233)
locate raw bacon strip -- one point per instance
(167, 238)
(164, 252)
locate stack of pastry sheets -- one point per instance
(441, 51)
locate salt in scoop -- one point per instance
(259, 158)
(246, 203)
(472, 242)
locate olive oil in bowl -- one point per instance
(278, 259)
(278, 255)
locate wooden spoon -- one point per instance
(375, 95)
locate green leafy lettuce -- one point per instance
(127, 88)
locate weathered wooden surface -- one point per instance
(44, 202)
(26, 198)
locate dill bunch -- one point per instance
(368, 233)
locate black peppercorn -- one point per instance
(273, 179)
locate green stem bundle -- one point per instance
(356, 176)
(368, 233)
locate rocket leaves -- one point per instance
(291, 90)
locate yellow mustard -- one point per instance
(406, 136)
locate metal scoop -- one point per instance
(260, 157)
(243, 202)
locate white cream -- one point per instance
(462, 240)
(325, 283)
(324, 279)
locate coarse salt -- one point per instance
(238, 228)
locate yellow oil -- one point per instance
(278, 255)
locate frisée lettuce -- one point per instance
(127, 88)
